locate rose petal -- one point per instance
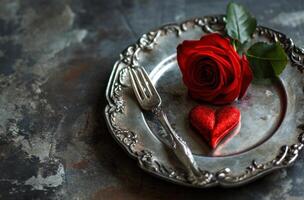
(199, 86)
(212, 69)
(189, 47)
(217, 40)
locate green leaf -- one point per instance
(240, 47)
(281, 60)
(266, 60)
(240, 24)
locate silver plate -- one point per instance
(271, 133)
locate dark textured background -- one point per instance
(55, 60)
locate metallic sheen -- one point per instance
(149, 99)
(271, 133)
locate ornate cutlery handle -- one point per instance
(179, 146)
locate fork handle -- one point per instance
(181, 149)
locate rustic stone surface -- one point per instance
(55, 60)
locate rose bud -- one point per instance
(212, 69)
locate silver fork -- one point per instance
(149, 100)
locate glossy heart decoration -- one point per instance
(214, 124)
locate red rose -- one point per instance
(212, 69)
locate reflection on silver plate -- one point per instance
(271, 132)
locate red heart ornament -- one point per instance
(214, 124)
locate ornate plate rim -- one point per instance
(128, 139)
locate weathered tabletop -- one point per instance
(55, 60)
